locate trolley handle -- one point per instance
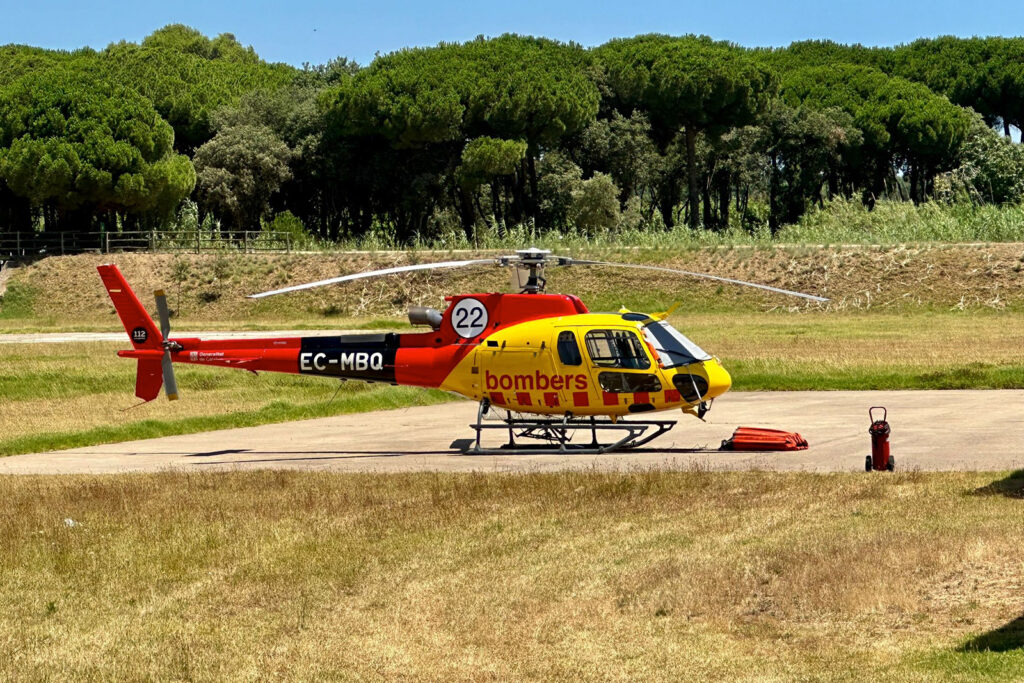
(871, 411)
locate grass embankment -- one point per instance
(64, 293)
(65, 395)
(639, 576)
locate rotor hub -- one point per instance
(532, 261)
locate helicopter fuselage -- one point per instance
(533, 353)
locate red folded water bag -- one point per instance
(761, 439)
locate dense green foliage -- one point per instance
(80, 145)
(497, 135)
(418, 109)
(685, 86)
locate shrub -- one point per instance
(595, 204)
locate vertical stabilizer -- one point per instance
(142, 331)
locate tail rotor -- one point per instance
(170, 384)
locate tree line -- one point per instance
(644, 133)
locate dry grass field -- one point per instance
(649, 575)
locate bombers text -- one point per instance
(538, 381)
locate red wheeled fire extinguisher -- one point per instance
(879, 430)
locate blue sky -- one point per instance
(315, 31)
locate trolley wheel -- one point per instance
(891, 465)
(867, 463)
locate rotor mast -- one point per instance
(532, 260)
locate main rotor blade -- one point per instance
(375, 273)
(170, 385)
(706, 276)
(165, 316)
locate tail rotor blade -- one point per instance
(165, 315)
(170, 385)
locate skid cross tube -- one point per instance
(555, 435)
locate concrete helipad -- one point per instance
(931, 430)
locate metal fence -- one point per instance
(31, 244)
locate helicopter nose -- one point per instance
(719, 380)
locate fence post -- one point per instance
(245, 241)
(107, 237)
(199, 237)
(288, 244)
(62, 244)
(17, 243)
(152, 240)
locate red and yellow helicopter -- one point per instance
(542, 363)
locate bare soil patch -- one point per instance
(5, 274)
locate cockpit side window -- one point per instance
(568, 349)
(616, 349)
(672, 347)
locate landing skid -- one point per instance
(555, 434)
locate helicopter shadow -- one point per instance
(459, 445)
(305, 456)
(691, 451)
(1011, 486)
(226, 451)
(1007, 637)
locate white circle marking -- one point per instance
(469, 318)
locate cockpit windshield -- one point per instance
(672, 347)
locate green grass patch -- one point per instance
(18, 301)
(964, 664)
(377, 398)
(785, 375)
(840, 221)
(55, 384)
(848, 221)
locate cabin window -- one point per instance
(568, 349)
(616, 349)
(628, 382)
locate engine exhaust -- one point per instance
(424, 315)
